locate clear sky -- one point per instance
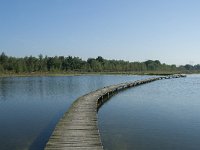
(167, 30)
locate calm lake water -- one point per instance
(31, 106)
(162, 115)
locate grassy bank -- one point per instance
(30, 74)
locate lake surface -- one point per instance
(30, 107)
(162, 115)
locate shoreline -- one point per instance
(46, 74)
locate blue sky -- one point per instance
(167, 30)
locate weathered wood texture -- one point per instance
(77, 129)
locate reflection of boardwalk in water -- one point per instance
(78, 129)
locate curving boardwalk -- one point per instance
(77, 129)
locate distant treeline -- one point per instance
(42, 63)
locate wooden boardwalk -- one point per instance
(78, 128)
